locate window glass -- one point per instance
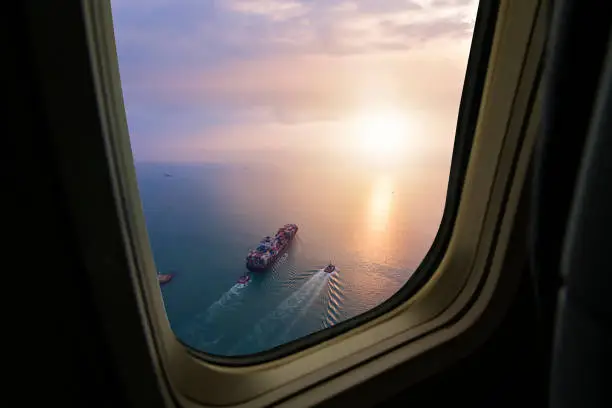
(292, 155)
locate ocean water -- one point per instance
(376, 226)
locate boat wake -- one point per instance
(225, 301)
(284, 317)
(197, 332)
(335, 300)
(312, 296)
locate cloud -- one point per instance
(446, 3)
(428, 30)
(195, 67)
(309, 88)
(199, 30)
(273, 9)
(389, 6)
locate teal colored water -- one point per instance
(202, 219)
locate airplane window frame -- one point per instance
(119, 261)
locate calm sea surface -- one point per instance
(202, 219)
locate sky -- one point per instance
(209, 80)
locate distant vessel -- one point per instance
(329, 268)
(165, 277)
(270, 249)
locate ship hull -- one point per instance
(253, 267)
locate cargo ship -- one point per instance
(270, 248)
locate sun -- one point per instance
(382, 134)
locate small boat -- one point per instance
(270, 249)
(165, 277)
(329, 268)
(244, 279)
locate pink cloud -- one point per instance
(318, 87)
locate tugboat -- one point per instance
(164, 277)
(270, 249)
(329, 268)
(244, 279)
